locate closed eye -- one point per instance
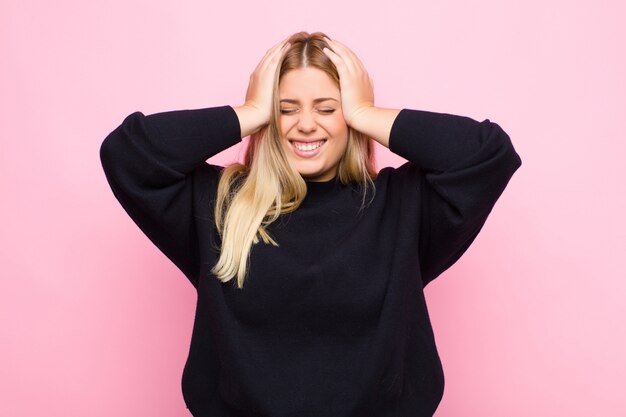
(324, 111)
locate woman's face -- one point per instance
(310, 115)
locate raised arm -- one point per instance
(150, 163)
(460, 166)
(156, 164)
(464, 166)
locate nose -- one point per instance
(306, 122)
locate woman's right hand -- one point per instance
(257, 109)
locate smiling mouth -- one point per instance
(307, 145)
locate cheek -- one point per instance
(338, 128)
(282, 126)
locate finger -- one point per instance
(338, 57)
(332, 55)
(276, 57)
(357, 63)
(347, 56)
(271, 53)
(337, 48)
(284, 47)
(278, 46)
(281, 48)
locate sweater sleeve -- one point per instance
(149, 162)
(464, 166)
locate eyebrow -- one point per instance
(317, 100)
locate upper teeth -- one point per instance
(309, 146)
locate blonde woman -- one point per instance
(309, 264)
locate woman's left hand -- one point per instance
(357, 88)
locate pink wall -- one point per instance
(530, 322)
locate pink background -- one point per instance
(95, 321)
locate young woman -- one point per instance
(308, 263)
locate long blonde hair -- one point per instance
(254, 194)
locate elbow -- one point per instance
(114, 147)
(514, 159)
(493, 171)
(506, 154)
(108, 151)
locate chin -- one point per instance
(309, 175)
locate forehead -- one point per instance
(307, 84)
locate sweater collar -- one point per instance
(318, 190)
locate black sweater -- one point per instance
(333, 322)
